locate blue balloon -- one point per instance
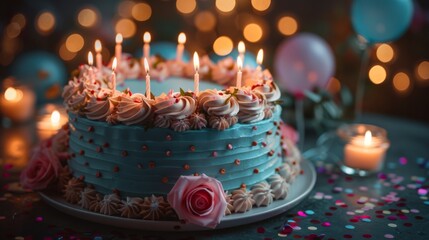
(249, 58)
(381, 20)
(166, 50)
(44, 72)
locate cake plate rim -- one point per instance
(300, 189)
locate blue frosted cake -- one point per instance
(175, 154)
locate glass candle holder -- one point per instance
(364, 148)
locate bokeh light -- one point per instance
(141, 12)
(334, 85)
(125, 8)
(126, 27)
(377, 74)
(423, 70)
(20, 19)
(205, 21)
(45, 23)
(252, 32)
(287, 25)
(87, 17)
(261, 5)
(13, 30)
(65, 54)
(186, 6)
(385, 53)
(74, 42)
(401, 82)
(225, 5)
(222, 46)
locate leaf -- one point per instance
(183, 93)
(234, 94)
(152, 96)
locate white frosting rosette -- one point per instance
(252, 105)
(101, 105)
(221, 108)
(134, 109)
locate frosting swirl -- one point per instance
(197, 120)
(174, 106)
(110, 204)
(153, 208)
(100, 107)
(262, 194)
(252, 106)
(87, 196)
(242, 200)
(134, 109)
(131, 207)
(72, 190)
(269, 89)
(279, 186)
(218, 103)
(73, 87)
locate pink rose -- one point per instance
(289, 133)
(43, 169)
(198, 199)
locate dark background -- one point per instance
(329, 19)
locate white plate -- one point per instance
(298, 192)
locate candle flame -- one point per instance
(55, 118)
(368, 138)
(239, 63)
(146, 37)
(146, 65)
(115, 62)
(12, 94)
(196, 62)
(119, 38)
(241, 47)
(260, 56)
(182, 38)
(98, 46)
(90, 58)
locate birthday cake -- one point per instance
(171, 147)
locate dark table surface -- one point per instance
(393, 204)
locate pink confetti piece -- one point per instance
(389, 236)
(2, 217)
(302, 214)
(326, 224)
(403, 160)
(422, 191)
(39, 219)
(7, 166)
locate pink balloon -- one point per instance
(303, 62)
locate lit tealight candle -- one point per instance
(196, 76)
(17, 104)
(118, 47)
(114, 76)
(239, 73)
(98, 57)
(241, 50)
(146, 46)
(90, 69)
(49, 124)
(146, 67)
(365, 152)
(180, 46)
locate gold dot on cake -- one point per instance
(81, 152)
(90, 140)
(277, 134)
(192, 148)
(115, 169)
(269, 132)
(275, 123)
(254, 143)
(73, 155)
(168, 153)
(277, 169)
(151, 164)
(106, 145)
(271, 153)
(90, 129)
(164, 180)
(237, 161)
(186, 167)
(222, 171)
(196, 174)
(99, 149)
(301, 172)
(243, 185)
(214, 154)
(229, 146)
(254, 128)
(124, 153)
(263, 144)
(255, 171)
(168, 137)
(98, 174)
(145, 148)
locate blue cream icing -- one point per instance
(140, 162)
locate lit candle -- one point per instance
(239, 73)
(259, 59)
(180, 46)
(98, 57)
(365, 152)
(146, 66)
(118, 48)
(50, 123)
(114, 76)
(241, 50)
(17, 104)
(196, 76)
(146, 46)
(90, 69)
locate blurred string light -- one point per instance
(125, 8)
(65, 54)
(186, 6)
(334, 85)
(225, 6)
(13, 30)
(377, 74)
(287, 25)
(252, 32)
(126, 27)
(141, 12)
(45, 23)
(422, 70)
(87, 17)
(74, 42)
(401, 82)
(222, 46)
(19, 19)
(385, 53)
(205, 21)
(261, 5)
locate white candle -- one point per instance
(17, 104)
(196, 76)
(241, 50)
(180, 46)
(146, 46)
(146, 66)
(118, 48)
(365, 152)
(98, 57)
(239, 73)
(259, 59)
(114, 76)
(90, 69)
